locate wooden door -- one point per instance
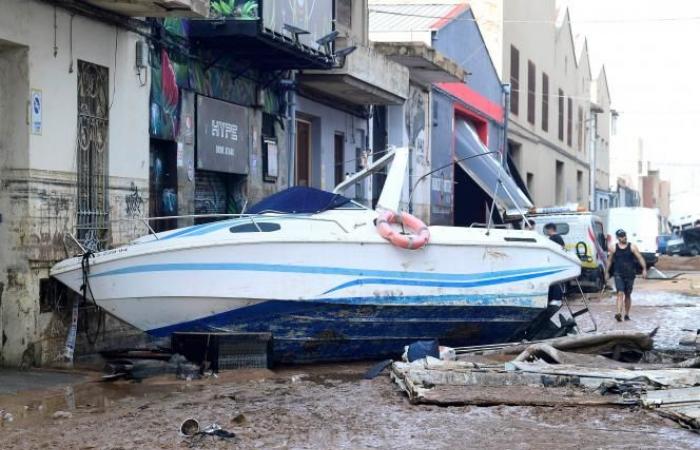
(303, 154)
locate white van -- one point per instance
(584, 235)
(642, 226)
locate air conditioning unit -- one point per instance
(155, 8)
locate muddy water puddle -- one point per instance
(31, 408)
(672, 312)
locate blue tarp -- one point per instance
(299, 200)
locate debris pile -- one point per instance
(614, 369)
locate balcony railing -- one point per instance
(154, 8)
(270, 34)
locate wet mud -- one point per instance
(332, 406)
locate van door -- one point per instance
(600, 241)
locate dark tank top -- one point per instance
(624, 261)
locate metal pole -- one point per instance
(591, 147)
(292, 119)
(506, 110)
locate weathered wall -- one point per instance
(532, 28)
(441, 150)
(461, 41)
(325, 123)
(38, 170)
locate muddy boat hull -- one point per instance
(306, 332)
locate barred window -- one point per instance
(92, 223)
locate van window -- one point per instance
(562, 228)
(599, 234)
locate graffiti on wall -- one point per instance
(134, 202)
(165, 98)
(171, 72)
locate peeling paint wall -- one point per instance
(38, 170)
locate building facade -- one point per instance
(109, 118)
(465, 116)
(656, 193)
(74, 158)
(550, 113)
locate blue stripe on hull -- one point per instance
(315, 331)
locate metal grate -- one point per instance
(93, 125)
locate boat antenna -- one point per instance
(413, 189)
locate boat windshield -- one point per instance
(303, 200)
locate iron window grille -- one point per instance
(92, 223)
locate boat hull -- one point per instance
(305, 332)
(335, 300)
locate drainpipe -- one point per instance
(290, 85)
(506, 101)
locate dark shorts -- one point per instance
(624, 284)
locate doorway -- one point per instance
(162, 199)
(302, 161)
(339, 158)
(559, 182)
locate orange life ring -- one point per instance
(417, 238)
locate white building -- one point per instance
(74, 146)
(533, 47)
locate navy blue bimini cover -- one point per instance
(299, 200)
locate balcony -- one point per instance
(366, 78)
(154, 8)
(425, 64)
(271, 35)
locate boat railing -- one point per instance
(251, 217)
(70, 240)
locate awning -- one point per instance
(486, 170)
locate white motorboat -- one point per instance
(316, 274)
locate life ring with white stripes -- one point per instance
(417, 237)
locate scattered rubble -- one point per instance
(587, 370)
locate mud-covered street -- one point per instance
(331, 406)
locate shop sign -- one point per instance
(222, 136)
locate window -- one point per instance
(569, 115)
(580, 128)
(339, 156)
(343, 12)
(269, 148)
(531, 86)
(561, 115)
(579, 185)
(545, 102)
(514, 80)
(562, 228)
(257, 227)
(559, 182)
(93, 125)
(530, 177)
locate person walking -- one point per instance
(621, 259)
